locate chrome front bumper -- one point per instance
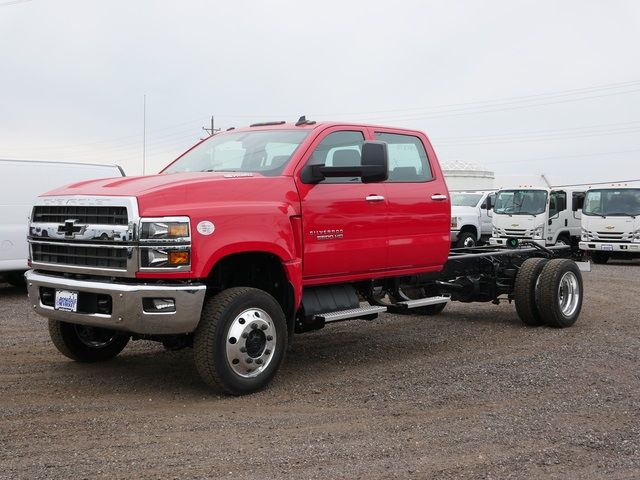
(127, 312)
(611, 247)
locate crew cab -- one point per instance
(471, 217)
(611, 222)
(258, 233)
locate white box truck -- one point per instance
(611, 222)
(470, 217)
(23, 181)
(546, 216)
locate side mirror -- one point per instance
(375, 161)
(578, 201)
(488, 203)
(374, 166)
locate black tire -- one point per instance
(560, 293)
(414, 293)
(466, 239)
(524, 291)
(16, 279)
(600, 258)
(86, 344)
(220, 314)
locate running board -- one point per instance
(420, 302)
(351, 313)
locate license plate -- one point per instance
(606, 247)
(66, 300)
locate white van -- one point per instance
(22, 182)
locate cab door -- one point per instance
(344, 220)
(419, 208)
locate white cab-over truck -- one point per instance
(611, 223)
(471, 217)
(541, 215)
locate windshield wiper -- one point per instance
(621, 214)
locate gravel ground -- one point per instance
(471, 393)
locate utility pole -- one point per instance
(211, 130)
(144, 132)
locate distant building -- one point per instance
(461, 175)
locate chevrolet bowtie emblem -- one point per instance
(69, 228)
(515, 224)
(609, 227)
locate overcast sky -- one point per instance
(518, 87)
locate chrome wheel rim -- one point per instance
(568, 294)
(250, 343)
(94, 337)
(469, 242)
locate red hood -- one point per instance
(138, 186)
(183, 193)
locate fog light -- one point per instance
(158, 305)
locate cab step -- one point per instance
(419, 302)
(351, 313)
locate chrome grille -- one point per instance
(97, 215)
(108, 257)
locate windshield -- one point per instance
(521, 202)
(263, 151)
(465, 199)
(624, 201)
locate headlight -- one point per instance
(165, 257)
(165, 243)
(538, 232)
(636, 236)
(585, 234)
(454, 222)
(157, 229)
(495, 232)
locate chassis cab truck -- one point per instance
(611, 223)
(264, 232)
(471, 217)
(544, 216)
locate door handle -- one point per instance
(438, 197)
(374, 198)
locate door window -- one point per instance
(408, 160)
(338, 149)
(557, 203)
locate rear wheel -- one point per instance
(83, 343)
(240, 341)
(525, 289)
(560, 293)
(600, 258)
(466, 240)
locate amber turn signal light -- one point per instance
(179, 258)
(178, 230)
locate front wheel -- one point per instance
(83, 343)
(466, 240)
(240, 341)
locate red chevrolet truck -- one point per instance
(257, 234)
